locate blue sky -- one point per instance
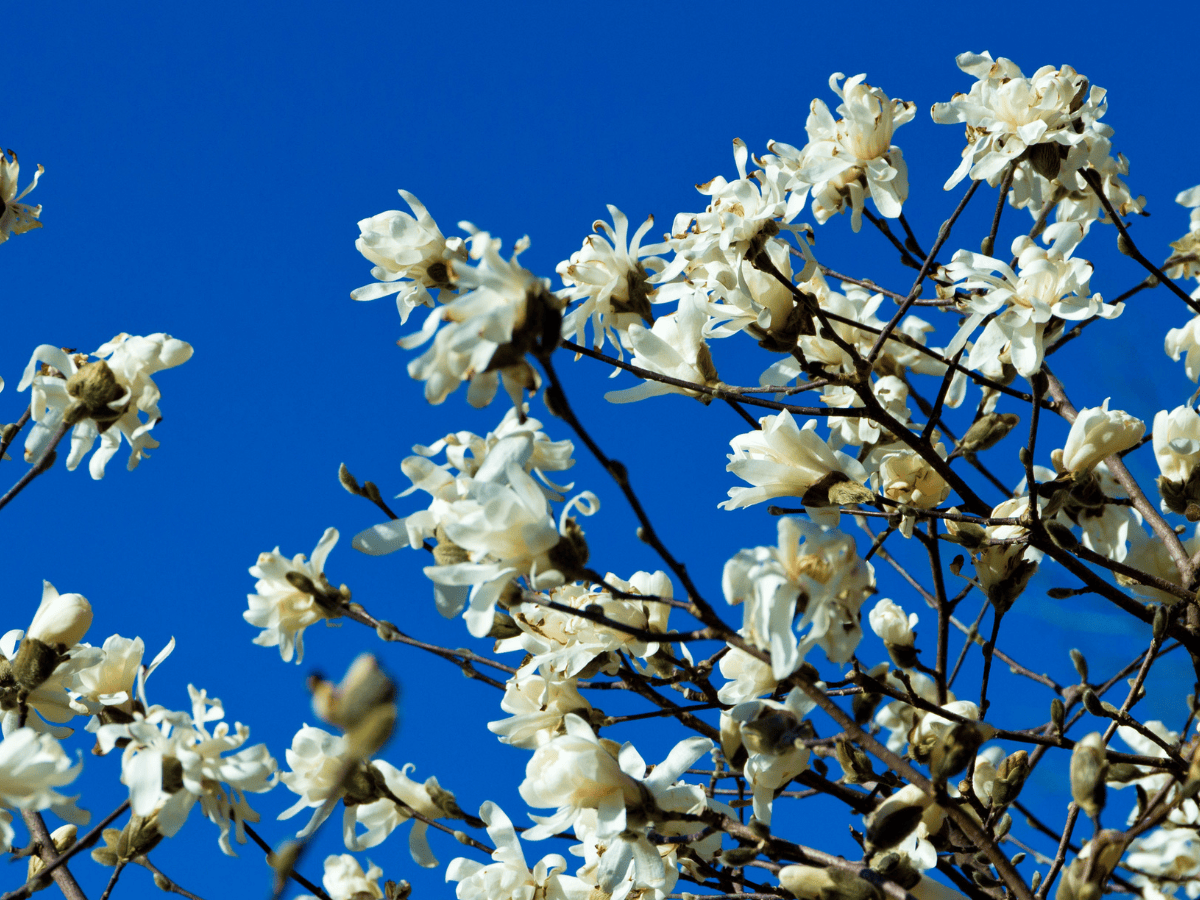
(205, 168)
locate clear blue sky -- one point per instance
(205, 168)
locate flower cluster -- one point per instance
(103, 399)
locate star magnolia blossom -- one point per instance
(381, 817)
(1185, 341)
(853, 157)
(741, 214)
(49, 700)
(771, 733)
(564, 643)
(1007, 114)
(781, 460)
(281, 609)
(1050, 284)
(575, 772)
(1177, 444)
(611, 279)
(538, 704)
(130, 361)
(106, 689)
(476, 459)
(489, 325)
(505, 531)
(674, 347)
(344, 879)
(891, 625)
(32, 765)
(411, 256)
(1096, 434)
(16, 218)
(814, 571)
(509, 877)
(318, 761)
(171, 760)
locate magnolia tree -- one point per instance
(904, 432)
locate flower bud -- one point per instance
(63, 837)
(987, 431)
(953, 750)
(60, 618)
(362, 705)
(1088, 764)
(1010, 778)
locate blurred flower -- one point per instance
(344, 879)
(31, 766)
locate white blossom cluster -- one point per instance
(860, 415)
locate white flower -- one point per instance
(411, 256)
(1007, 114)
(172, 759)
(561, 642)
(854, 156)
(772, 735)
(576, 771)
(280, 608)
(741, 214)
(382, 816)
(477, 460)
(317, 769)
(49, 699)
(889, 622)
(611, 280)
(1177, 443)
(916, 846)
(538, 704)
(509, 877)
(907, 477)
(898, 717)
(814, 572)
(1050, 284)
(107, 688)
(102, 399)
(674, 347)
(1185, 341)
(344, 879)
(32, 765)
(1095, 435)
(322, 773)
(488, 328)
(16, 218)
(500, 532)
(781, 460)
(748, 676)
(60, 618)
